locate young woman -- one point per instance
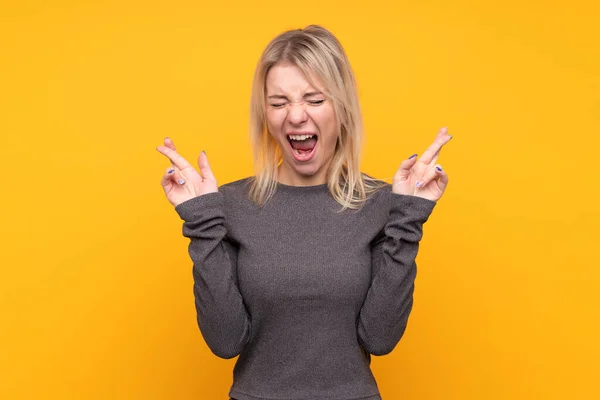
(307, 268)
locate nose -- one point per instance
(297, 114)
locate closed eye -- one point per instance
(311, 102)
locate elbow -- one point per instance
(381, 347)
(383, 344)
(382, 351)
(224, 352)
(223, 349)
(225, 344)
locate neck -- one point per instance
(287, 177)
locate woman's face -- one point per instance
(302, 120)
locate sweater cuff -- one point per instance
(199, 207)
(411, 208)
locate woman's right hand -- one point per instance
(182, 182)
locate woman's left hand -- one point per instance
(421, 176)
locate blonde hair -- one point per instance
(313, 50)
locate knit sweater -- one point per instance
(302, 292)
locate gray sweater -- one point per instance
(303, 293)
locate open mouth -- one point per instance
(303, 145)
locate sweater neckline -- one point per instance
(291, 188)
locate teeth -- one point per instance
(300, 137)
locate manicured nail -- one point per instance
(413, 156)
(181, 181)
(171, 171)
(438, 168)
(419, 184)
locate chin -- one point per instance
(303, 170)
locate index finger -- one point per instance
(433, 150)
(176, 159)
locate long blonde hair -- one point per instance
(312, 49)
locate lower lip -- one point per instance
(304, 157)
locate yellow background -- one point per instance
(96, 286)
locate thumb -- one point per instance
(205, 167)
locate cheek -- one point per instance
(326, 121)
(274, 120)
(272, 124)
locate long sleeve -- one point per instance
(384, 313)
(222, 316)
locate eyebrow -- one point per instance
(280, 96)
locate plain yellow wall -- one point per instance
(96, 286)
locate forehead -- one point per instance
(288, 78)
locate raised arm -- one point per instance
(418, 184)
(222, 317)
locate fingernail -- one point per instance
(181, 181)
(413, 156)
(438, 168)
(450, 138)
(204, 151)
(171, 171)
(419, 184)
